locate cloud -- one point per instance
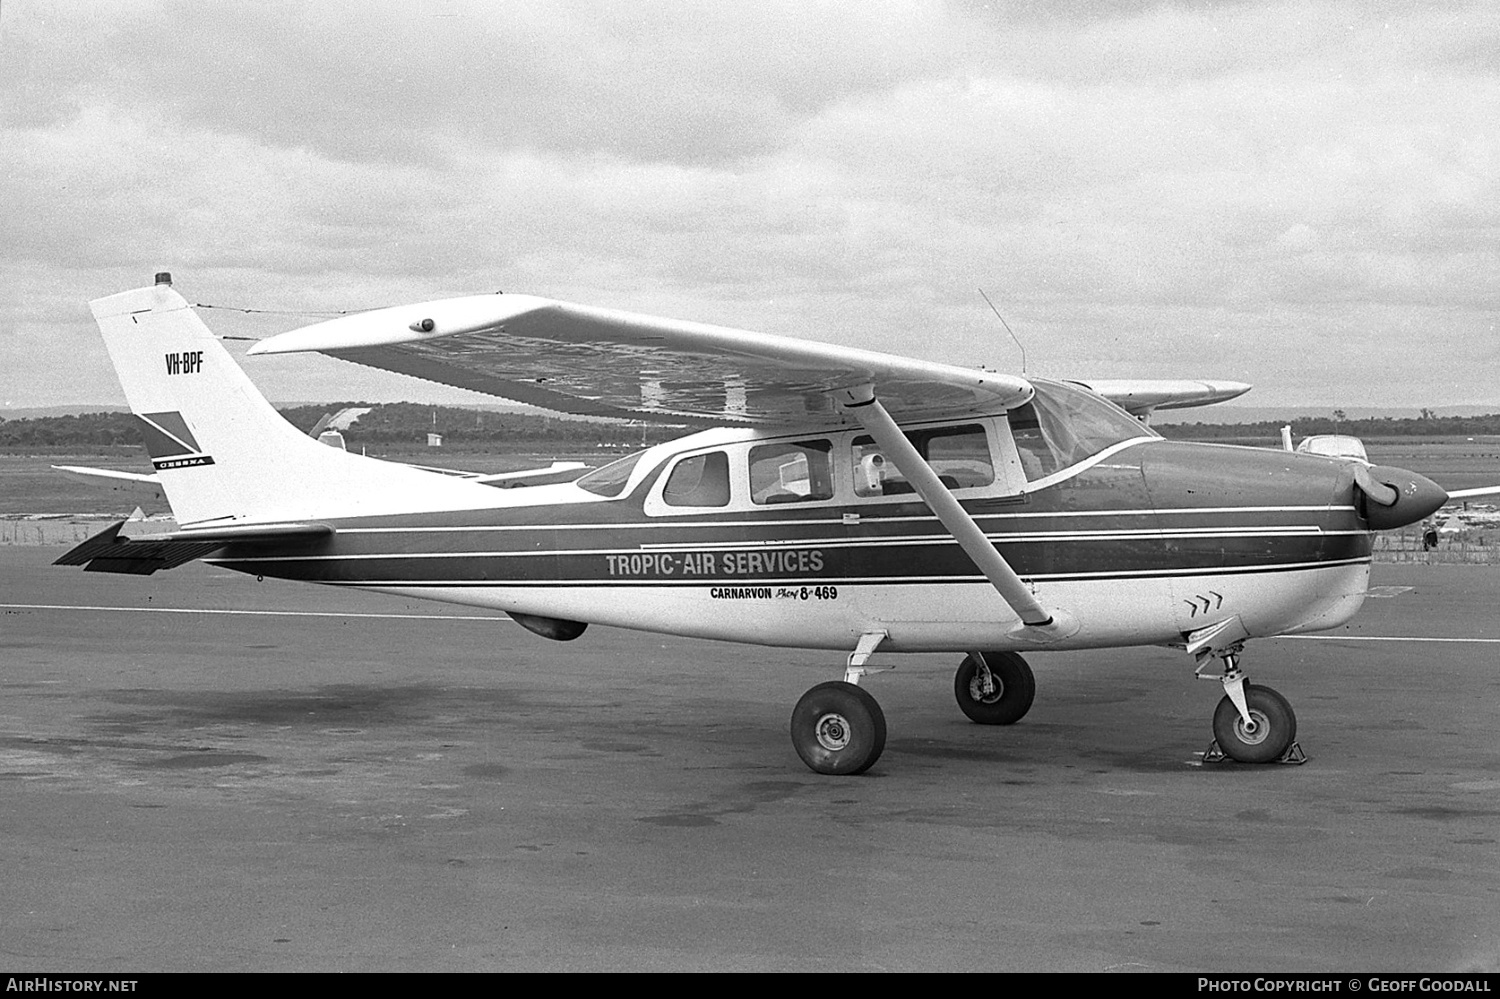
(395, 80)
(1144, 189)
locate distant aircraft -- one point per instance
(843, 499)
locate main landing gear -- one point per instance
(994, 688)
(838, 728)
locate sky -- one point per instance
(1303, 195)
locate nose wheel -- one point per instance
(1263, 737)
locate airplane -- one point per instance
(825, 497)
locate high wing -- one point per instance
(607, 363)
(1141, 396)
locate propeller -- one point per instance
(1395, 497)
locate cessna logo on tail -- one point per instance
(169, 441)
(187, 362)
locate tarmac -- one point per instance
(202, 772)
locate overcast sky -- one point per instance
(1300, 195)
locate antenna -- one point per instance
(998, 316)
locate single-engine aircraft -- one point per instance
(836, 499)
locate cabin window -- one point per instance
(1063, 425)
(791, 472)
(701, 480)
(959, 455)
(610, 480)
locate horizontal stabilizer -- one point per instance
(112, 550)
(558, 471)
(135, 484)
(108, 552)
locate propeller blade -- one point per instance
(1375, 492)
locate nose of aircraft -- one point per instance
(1395, 497)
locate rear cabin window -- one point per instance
(791, 472)
(701, 480)
(610, 480)
(959, 455)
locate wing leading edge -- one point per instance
(603, 362)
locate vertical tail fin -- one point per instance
(221, 451)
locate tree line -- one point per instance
(410, 423)
(1427, 425)
(390, 423)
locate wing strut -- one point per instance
(1037, 622)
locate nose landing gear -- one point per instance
(1252, 724)
(1266, 737)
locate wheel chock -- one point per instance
(1294, 756)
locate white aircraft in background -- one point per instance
(840, 499)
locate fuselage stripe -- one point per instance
(865, 520)
(840, 580)
(830, 543)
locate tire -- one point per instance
(1276, 726)
(838, 729)
(1015, 688)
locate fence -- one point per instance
(1467, 547)
(34, 531)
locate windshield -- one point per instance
(1062, 425)
(610, 480)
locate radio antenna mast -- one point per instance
(998, 316)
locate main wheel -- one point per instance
(837, 728)
(1272, 728)
(1005, 698)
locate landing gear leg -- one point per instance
(837, 727)
(1252, 724)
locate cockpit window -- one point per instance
(1062, 425)
(791, 472)
(701, 480)
(959, 455)
(610, 480)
